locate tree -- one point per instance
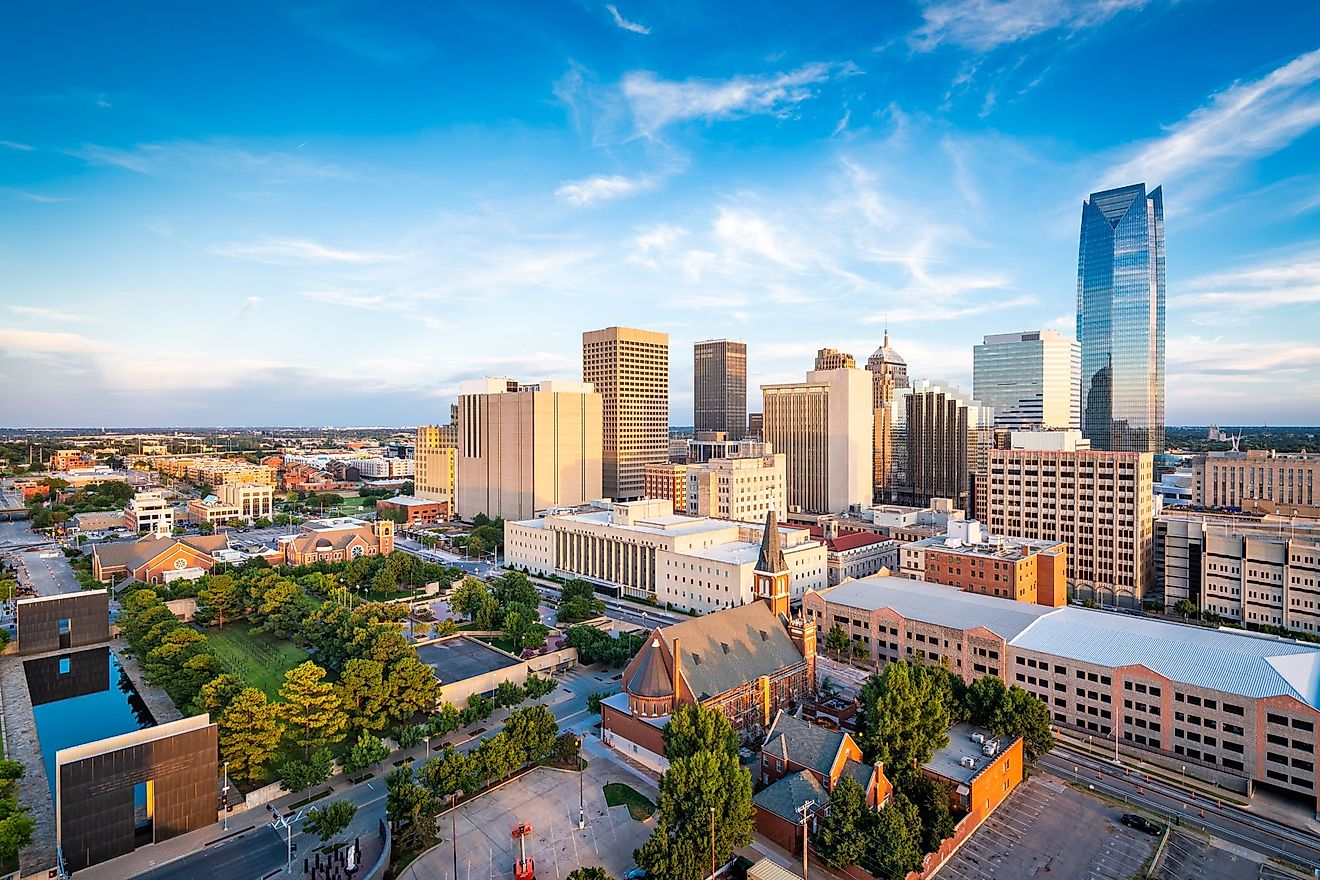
(385, 582)
(469, 598)
(298, 775)
(410, 806)
(514, 588)
(1026, 716)
(216, 695)
(933, 800)
(409, 735)
(841, 840)
(593, 701)
(893, 845)
(445, 719)
(332, 819)
(589, 873)
(367, 751)
(363, 694)
(222, 598)
(250, 733)
(694, 728)
(10, 771)
(531, 732)
(16, 831)
(568, 749)
(413, 688)
(985, 701)
(1185, 607)
(837, 640)
(311, 709)
(509, 694)
(693, 785)
(904, 720)
(538, 687)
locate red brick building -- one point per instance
(416, 511)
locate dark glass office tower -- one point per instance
(1120, 319)
(720, 387)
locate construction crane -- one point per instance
(524, 868)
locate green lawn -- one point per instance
(258, 658)
(639, 807)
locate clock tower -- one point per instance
(770, 577)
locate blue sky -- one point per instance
(333, 213)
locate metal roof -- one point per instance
(936, 603)
(1223, 660)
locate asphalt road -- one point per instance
(1241, 827)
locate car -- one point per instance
(1141, 823)
(634, 874)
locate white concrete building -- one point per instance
(742, 489)
(1032, 379)
(647, 551)
(149, 512)
(378, 468)
(824, 428)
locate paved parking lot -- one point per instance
(548, 799)
(1046, 828)
(1191, 858)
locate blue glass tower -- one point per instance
(1120, 319)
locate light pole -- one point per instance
(427, 739)
(712, 843)
(582, 791)
(285, 823)
(453, 827)
(224, 796)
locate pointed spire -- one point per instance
(771, 560)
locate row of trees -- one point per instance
(508, 603)
(596, 646)
(415, 796)
(704, 780)
(16, 826)
(105, 495)
(578, 602)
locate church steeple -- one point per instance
(771, 575)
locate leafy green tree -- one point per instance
(385, 582)
(445, 719)
(411, 807)
(250, 731)
(413, 688)
(311, 709)
(221, 599)
(1026, 716)
(1185, 607)
(330, 820)
(904, 720)
(10, 770)
(893, 844)
(409, 735)
(296, 775)
(16, 832)
(933, 800)
(591, 872)
(593, 701)
(509, 694)
(450, 771)
(841, 838)
(216, 695)
(363, 694)
(531, 732)
(366, 752)
(837, 640)
(514, 588)
(568, 749)
(538, 686)
(283, 609)
(985, 701)
(694, 728)
(480, 706)
(693, 785)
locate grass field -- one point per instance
(639, 807)
(259, 659)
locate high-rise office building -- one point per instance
(889, 373)
(527, 448)
(1032, 379)
(942, 436)
(1098, 503)
(755, 425)
(719, 386)
(1120, 319)
(823, 426)
(833, 359)
(629, 369)
(435, 475)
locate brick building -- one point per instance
(1010, 568)
(339, 539)
(415, 511)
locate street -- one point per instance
(47, 572)
(1192, 811)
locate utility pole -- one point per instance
(805, 810)
(285, 823)
(712, 843)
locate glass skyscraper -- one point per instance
(1030, 378)
(1120, 319)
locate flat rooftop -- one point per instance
(936, 603)
(461, 658)
(408, 501)
(950, 761)
(997, 547)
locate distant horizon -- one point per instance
(164, 429)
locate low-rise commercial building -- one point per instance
(643, 550)
(149, 512)
(1010, 568)
(850, 554)
(384, 468)
(1245, 569)
(1210, 700)
(412, 511)
(742, 489)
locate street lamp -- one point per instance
(427, 739)
(453, 827)
(285, 823)
(224, 796)
(582, 801)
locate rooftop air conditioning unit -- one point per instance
(978, 738)
(967, 761)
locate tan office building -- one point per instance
(435, 472)
(1100, 504)
(823, 427)
(889, 372)
(1253, 571)
(1259, 481)
(742, 489)
(527, 448)
(833, 359)
(629, 369)
(668, 481)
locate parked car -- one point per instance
(1141, 823)
(634, 874)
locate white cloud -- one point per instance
(14, 145)
(44, 314)
(1288, 280)
(625, 23)
(602, 188)
(217, 157)
(141, 160)
(40, 342)
(248, 307)
(39, 197)
(657, 103)
(1244, 121)
(283, 251)
(744, 232)
(985, 25)
(1243, 359)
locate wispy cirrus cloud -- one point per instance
(1244, 121)
(985, 25)
(249, 305)
(43, 342)
(15, 145)
(624, 23)
(283, 251)
(1278, 282)
(603, 188)
(657, 103)
(40, 198)
(43, 314)
(148, 158)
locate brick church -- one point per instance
(748, 662)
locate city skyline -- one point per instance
(375, 206)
